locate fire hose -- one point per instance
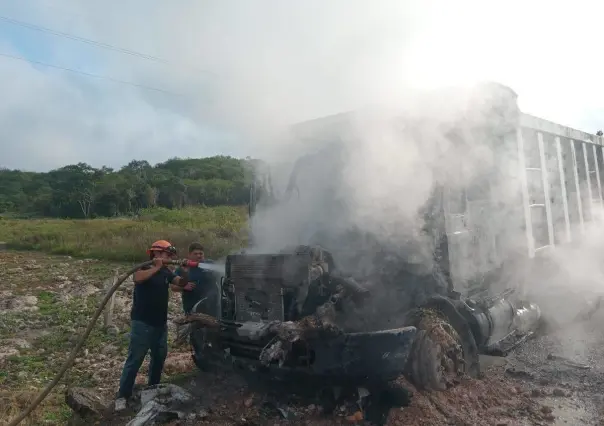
(72, 356)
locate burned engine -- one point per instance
(281, 311)
(282, 287)
(285, 287)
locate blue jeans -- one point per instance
(144, 338)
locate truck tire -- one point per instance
(197, 340)
(444, 348)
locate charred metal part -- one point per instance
(274, 351)
(353, 289)
(568, 362)
(288, 333)
(380, 355)
(500, 324)
(199, 318)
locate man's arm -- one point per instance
(145, 273)
(175, 287)
(179, 280)
(183, 273)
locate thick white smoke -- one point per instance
(363, 190)
(374, 170)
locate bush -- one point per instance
(220, 229)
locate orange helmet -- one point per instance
(162, 246)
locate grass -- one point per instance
(220, 229)
(23, 375)
(52, 411)
(64, 323)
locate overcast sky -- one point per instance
(235, 68)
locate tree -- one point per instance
(74, 189)
(82, 191)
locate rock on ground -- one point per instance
(85, 402)
(12, 303)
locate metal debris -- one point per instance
(363, 393)
(274, 351)
(521, 374)
(569, 362)
(284, 411)
(150, 413)
(161, 403)
(289, 332)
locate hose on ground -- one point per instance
(70, 360)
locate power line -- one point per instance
(52, 6)
(103, 77)
(92, 42)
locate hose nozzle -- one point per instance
(182, 262)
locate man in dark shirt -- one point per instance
(200, 283)
(199, 287)
(149, 316)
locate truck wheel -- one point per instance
(440, 355)
(199, 354)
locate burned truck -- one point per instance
(424, 282)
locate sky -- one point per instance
(219, 76)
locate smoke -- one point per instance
(568, 283)
(370, 191)
(239, 71)
(363, 189)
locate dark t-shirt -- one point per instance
(204, 281)
(150, 300)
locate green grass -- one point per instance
(220, 229)
(22, 375)
(64, 323)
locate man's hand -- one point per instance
(158, 263)
(189, 286)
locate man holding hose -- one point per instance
(199, 283)
(149, 316)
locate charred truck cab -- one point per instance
(495, 207)
(280, 312)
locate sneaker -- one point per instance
(120, 404)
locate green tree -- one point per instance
(82, 191)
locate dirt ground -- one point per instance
(45, 301)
